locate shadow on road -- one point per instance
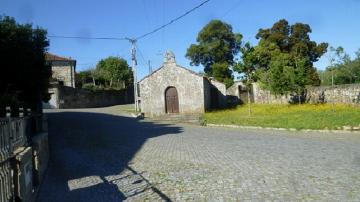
(87, 149)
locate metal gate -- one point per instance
(6, 192)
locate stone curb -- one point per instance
(137, 116)
(280, 129)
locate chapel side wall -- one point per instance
(190, 89)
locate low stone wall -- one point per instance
(262, 96)
(82, 98)
(63, 97)
(347, 94)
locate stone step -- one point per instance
(179, 118)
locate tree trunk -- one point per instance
(249, 101)
(93, 79)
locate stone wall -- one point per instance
(347, 94)
(238, 94)
(262, 96)
(221, 90)
(207, 96)
(234, 89)
(66, 97)
(189, 86)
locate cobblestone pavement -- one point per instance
(103, 157)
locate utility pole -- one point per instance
(134, 63)
(332, 87)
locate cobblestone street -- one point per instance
(103, 157)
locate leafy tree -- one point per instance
(114, 70)
(88, 76)
(290, 46)
(83, 77)
(342, 68)
(247, 68)
(25, 75)
(281, 74)
(215, 50)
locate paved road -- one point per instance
(103, 157)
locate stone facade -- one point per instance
(193, 90)
(63, 69)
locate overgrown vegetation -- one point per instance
(304, 116)
(24, 75)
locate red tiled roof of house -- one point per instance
(52, 57)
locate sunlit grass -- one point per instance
(306, 116)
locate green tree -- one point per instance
(247, 68)
(25, 75)
(342, 68)
(281, 75)
(114, 70)
(215, 50)
(84, 77)
(287, 45)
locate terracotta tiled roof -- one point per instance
(52, 57)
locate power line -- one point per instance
(142, 56)
(173, 20)
(80, 37)
(231, 9)
(137, 38)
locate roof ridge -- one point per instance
(53, 57)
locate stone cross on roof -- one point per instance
(169, 57)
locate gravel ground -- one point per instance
(98, 155)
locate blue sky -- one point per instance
(333, 21)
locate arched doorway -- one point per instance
(171, 100)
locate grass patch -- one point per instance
(306, 116)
